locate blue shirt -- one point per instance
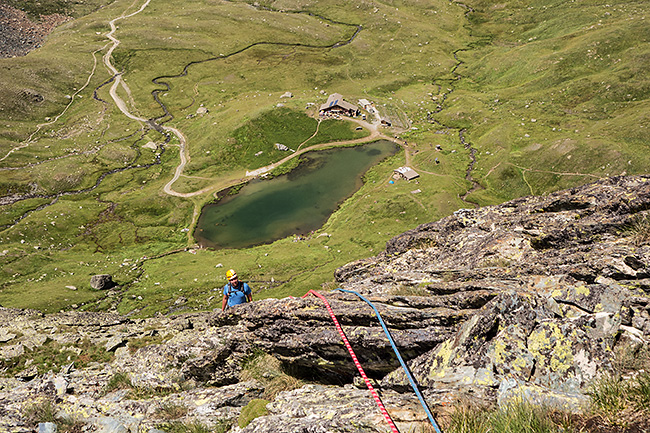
(236, 295)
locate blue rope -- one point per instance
(399, 357)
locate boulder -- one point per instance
(101, 282)
(517, 339)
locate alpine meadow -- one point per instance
(134, 115)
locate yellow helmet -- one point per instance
(231, 274)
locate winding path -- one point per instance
(117, 81)
(117, 75)
(119, 102)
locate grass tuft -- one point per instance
(269, 371)
(495, 262)
(43, 411)
(139, 343)
(609, 396)
(194, 427)
(514, 418)
(122, 381)
(640, 392)
(252, 410)
(171, 411)
(622, 398)
(467, 419)
(119, 380)
(46, 411)
(639, 230)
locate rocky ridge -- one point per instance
(528, 299)
(19, 35)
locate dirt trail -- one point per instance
(117, 76)
(40, 126)
(119, 102)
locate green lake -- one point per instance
(267, 210)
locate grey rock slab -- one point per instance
(114, 342)
(6, 336)
(110, 425)
(316, 408)
(47, 427)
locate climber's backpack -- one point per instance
(232, 289)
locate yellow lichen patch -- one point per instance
(538, 343)
(201, 402)
(551, 348)
(499, 351)
(582, 290)
(483, 377)
(562, 356)
(441, 359)
(519, 363)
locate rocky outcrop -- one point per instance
(528, 299)
(299, 332)
(569, 273)
(579, 232)
(19, 35)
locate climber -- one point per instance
(235, 292)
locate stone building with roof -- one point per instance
(336, 105)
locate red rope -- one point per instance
(356, 361)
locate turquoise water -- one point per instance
(297, 203)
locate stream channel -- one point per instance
(264, 211)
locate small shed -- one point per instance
(365, 104)
(407, 173)
(335, 104)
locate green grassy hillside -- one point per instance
(544, 95)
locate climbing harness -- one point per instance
(356, 361)
(399, 357)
